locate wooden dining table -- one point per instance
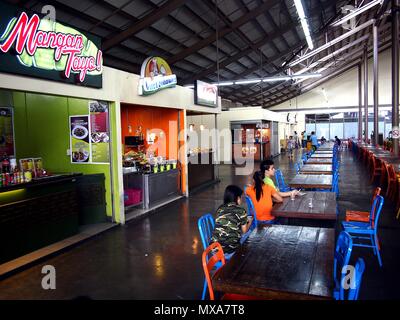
(310, 181)
(323, 206)
(322, 155)
(316, 169)
(281, 262)
(322, 148)
(319, 161)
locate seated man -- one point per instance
(268, 169)
(231, 221)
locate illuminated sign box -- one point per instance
(205, 94)
(47, 49)
(155, 75)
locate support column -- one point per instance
(395, 74)
(216, 150)
(376, 100)
(359, 103)
(366, 94)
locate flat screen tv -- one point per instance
(133, 141)
(205, 94)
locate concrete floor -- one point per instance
(159, 257)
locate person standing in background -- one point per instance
(304, 140)
(314, 140)
(296, 140)
(291, 144)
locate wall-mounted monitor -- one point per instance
(133, 141)
(205, 94)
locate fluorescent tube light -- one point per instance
(247, 81)
(356, 13)
(273, 79)
(305, 76)
(331, 43)
(304, 24)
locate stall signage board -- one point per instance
(6, 132)
(80, 139)
(99, 131)
(206, 94)
(155, 75)
(48, 49)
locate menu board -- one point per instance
(80, 140)
(99, 131)
(6, 132)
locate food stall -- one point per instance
(55, 135)
(151, 171)
(202, 139)
(251, 141)
(55, 178)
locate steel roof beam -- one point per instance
(143, 23)
(235, 24)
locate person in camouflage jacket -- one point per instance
(231, 220)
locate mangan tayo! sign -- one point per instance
(155, 75)
(47, 49)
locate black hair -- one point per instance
(265, 165)
(232, 193)
(312, 132)
(258, 178)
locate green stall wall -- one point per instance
(41, 125)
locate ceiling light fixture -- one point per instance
(331, 43)
(248, 81)
(356, 12)
(304, 23)
(267, 79)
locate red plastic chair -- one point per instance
(391, 181)
(376, 168)
(398, 197)
(362, 216)
(212, 255)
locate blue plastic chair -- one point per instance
(367, 231)
(358, 273)
(304, 158)
(206, 227)
(281, 181)
(255, 223)
(297, 167)
(344, 247)
(251, 211)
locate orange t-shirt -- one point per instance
(264, 206)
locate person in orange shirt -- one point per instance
(261, 195)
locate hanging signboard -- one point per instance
(155, 75)
(205, 94)
(99, 131)
(6, 132)
(48, 49)
(80, 139)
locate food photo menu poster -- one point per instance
(6, 132)
(79, 135)
(99, 131)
